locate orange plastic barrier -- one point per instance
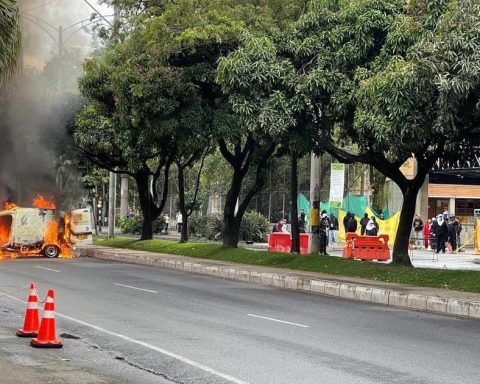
(304, 243)
(282, 242)
(279, 242)
(366, 247)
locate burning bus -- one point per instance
(41, 230)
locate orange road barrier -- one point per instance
(46, 335)
(367, 247)
(31, 323)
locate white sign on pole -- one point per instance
(337, 182)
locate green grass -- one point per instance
(468, 281)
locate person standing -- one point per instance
(301, 222)
(454, 229)
(418, 231)
(166, 222)
(440, 229)
(345, 221)
(363, 224)
(426, 234)
(433, 239)
(333, 231)
(352, 223)
(372, 227)
(323, 229)
(179, 222)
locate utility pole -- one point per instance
(314, 239)
(123, 195)
(112, 198)
(60, 60)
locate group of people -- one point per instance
(166, 222)
(439, 233)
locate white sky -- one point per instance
(38, 46)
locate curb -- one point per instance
(432, 304)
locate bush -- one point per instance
(133, 225)
(208, 227)
(254, 226)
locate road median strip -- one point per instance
(444, 305)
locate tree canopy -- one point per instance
(10, 39)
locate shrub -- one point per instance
(254, 226)
(133, 225)
(208, 227)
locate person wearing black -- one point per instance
(332, 232)
(440, 230)
(372, 227)
(418, 231)
(352, 223)
(345, 221)
(301, 222)
(454, 229)
(324, 225)
(363, 224)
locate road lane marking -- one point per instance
(48, 269)
(140, 289)
(183, 359)
(278, 321)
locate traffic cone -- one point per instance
(46, 335)
(31, 323)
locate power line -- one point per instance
(96, 11)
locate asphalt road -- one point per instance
(175, 327)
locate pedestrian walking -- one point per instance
(179, 222)
(418, 231)
(166, 223)
(363, 224)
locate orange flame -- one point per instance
(8, 205)
(41, 202)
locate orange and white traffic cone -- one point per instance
(31, 323)
(46, 335)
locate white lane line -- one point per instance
(139, 289)
(149, 346)
(48, 269)
(278, 321)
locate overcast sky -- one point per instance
(38, 46)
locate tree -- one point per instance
(11, 40)
(128, 126)
(374, 75)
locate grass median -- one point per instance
(468, 281)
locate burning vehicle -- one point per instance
(41, 230)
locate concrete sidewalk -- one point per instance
(440, 301)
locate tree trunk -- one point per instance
(293, 202)
(231, 224)
(400, 248)
(142, 181)
(184, 232)
(181, 204)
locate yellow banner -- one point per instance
(388, 227)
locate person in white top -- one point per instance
(179, 222)
(166, 222)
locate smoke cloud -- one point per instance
(36, 107)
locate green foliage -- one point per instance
(208, 227)
(10, 40)
(254, 226)
(133, 225)
(468, 281)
